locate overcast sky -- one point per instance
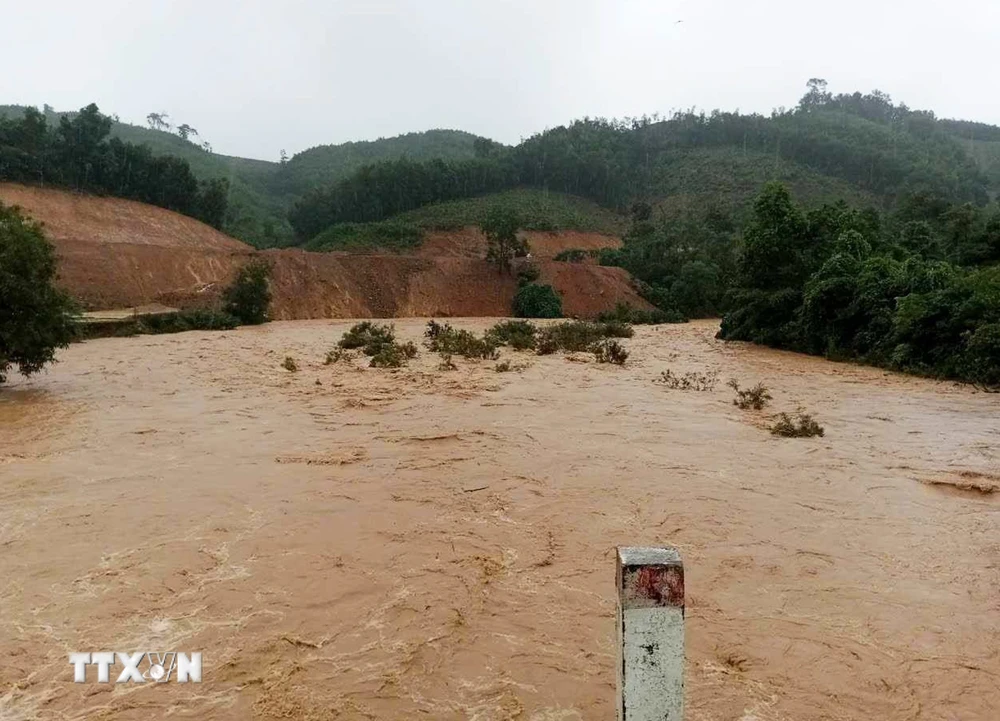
(256, 76)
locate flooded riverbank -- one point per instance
(346, 542)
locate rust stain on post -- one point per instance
(653, 586)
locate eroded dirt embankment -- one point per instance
(117, 253)
(352, 543)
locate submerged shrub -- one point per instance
(434, 329)
(289, 364)
(447, 364)
(627, 314)
(518, 334)
(337, 355)
(617, 329)
(368, 336)
(186, 320)
(690, 381)
(803, 427)
(610, 351)
(445, 339)
(377, 341)
(249, 297)
(503, 367)
(578, 335)
(751, 398)
(389, 356)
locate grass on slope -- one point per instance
(538, 209)
(391, 235)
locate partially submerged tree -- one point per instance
(249, 297)
(500, 227)
(35, 317)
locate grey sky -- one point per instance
(256, 76)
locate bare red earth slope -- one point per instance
(116, 253)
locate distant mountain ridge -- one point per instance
(861, 148)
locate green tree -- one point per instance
(537, 301)
(774, 242)
(35, 317)
(500, 227)
(249, 297)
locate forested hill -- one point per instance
(326, 164)
(261, 192)
(861, 148)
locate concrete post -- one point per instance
(650, 634)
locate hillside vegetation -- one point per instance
(326, 164)
(261, 192)
(863, 148)
(536, 209)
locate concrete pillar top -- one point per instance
(649, 577)
(648, 556)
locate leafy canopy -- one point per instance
(35, 317)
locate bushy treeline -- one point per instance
(885, 150)
(917, 291)
(683, 264)
(77, 154)
(379, 191)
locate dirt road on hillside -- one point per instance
(351, 543)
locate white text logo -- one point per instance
(138, 667)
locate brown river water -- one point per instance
(352, 543)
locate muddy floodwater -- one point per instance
(351, 543)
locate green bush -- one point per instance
(249, 297)
(610, 351)
(446, 339)
(537, 301)
(755, 398)
(35, 317)
(368, 336)
(518, 334)
(377, 341)
(983, 355)
(804, 427)
(571, 255)
(185, 320)
(527, 273)
(387, 235)
(578, 335)
(388, 356)
(627, 314)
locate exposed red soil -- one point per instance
(117, 253)
(469, 242)
(74, 216)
